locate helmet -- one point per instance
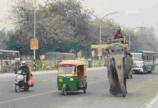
(23, 62)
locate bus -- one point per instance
(143, 61)
(59, 56)
(9, 55)
(8, 59)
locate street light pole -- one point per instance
(100, 41)
(130, 36)
(100, 27)
(129, 41)
(100, 36)
(34, 36)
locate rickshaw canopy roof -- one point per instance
(73, 62)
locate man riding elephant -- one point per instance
(118, 69)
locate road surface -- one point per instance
(142, 89)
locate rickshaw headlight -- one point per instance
(60, 80)
(71, 79)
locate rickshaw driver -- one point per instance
(80, 74)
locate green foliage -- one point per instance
(12, 45)
(65, 25)
(3, 39)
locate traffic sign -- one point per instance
(79, 54)
(99, 51)
(34, 44)
(93, 53)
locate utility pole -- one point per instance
(129, 41)
(100, 28)
(34, 36)
(100, 24)
(130, 35)
(100, 40)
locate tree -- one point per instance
(64, 25)
(60, 22)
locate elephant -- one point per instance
(119, 64)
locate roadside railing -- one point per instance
(39, 65)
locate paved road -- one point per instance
(141, 90)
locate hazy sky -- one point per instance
(132, 13)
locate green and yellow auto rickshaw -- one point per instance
(72, 76)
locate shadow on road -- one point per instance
(130, 95)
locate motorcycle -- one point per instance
(21, 82)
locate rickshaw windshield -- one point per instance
(67, 69)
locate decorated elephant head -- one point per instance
(116, 69)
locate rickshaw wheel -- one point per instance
(64, 92)
(84, 90)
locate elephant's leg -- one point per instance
(125, 82)
(111, 81)
(114, 84)
(123, 87)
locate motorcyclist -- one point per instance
(25, 68)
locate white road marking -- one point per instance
(40, 94)
(152, 102)
(26, 97)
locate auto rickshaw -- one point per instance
(72, 76)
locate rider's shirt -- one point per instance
(118, 35)
(25, 68)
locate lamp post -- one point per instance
(130, 35)
(100, 32)
(100, 26)
(34, 34)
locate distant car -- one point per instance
(156, 62)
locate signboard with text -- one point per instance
(99, 51)
(34, 44)
(79, 54)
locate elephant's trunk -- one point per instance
(116, 75)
